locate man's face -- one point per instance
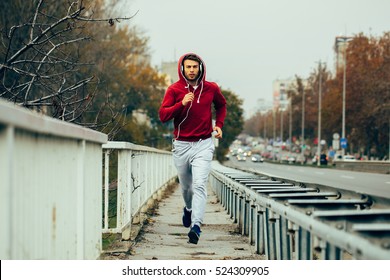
(191, 69)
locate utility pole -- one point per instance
(281, 125)
(303, 126)
(344, 90)
(319, 114)
(274, 134)
(344, 39)
(290, 125)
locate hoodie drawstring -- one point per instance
(201, 90)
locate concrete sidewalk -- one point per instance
(165, 238)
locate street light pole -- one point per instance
(290, 125)
(319, 114)
(274, 134)
(303, 126)
(344, 90)
(344, 39)
(281, 126)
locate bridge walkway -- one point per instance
(163, 237)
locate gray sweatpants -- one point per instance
(193, 164)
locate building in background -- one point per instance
(340, 47)
(279, 94)
(263, 106)
(170, 70)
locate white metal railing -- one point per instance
(50, 187)
(282, 231)
(133, 174)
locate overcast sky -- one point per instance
(248, 44)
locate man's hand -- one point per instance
(218, 132)
(189, 97)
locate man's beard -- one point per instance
(192, 80)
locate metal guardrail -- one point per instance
(291, 221)
(50, 181)
(382, 167)
(133, 175)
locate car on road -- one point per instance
(349, 158)
(291, 159)
(241, 157)
(257, 158)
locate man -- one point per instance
(189, 103)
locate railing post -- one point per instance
(106, 186)
(124, 192)
(270, 246)
(285, 239)
(260, 231)
(80, 199)
(252, 225)
(7, 135)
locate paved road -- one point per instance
(164, 238)
(363, 182)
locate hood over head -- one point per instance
(202, 67)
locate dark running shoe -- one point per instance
(186, 218)
(194, 234)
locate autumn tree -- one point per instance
(128, 81)
(73, 62)
(233, 125)
(43, 67)
(253, 126)
(367, 95)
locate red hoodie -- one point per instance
(193, 121)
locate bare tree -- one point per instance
(40, 66)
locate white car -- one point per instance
(241, 157)
(349, 158)
(257, 158)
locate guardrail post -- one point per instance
(332, 252)
(252, 224)
(290, 238)
(235, 206)
(231, 202)
(269, 235)
(260, 231)
(246, 217)
(241, 201)
(285, 239)
(277, 236)
(225, 197)
(221, 192)
(303, 248)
